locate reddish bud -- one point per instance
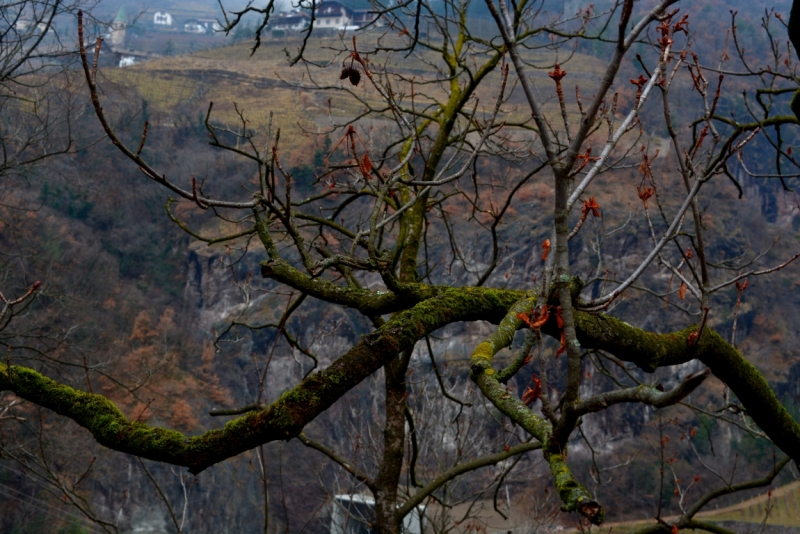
(591, 205)
(557, 74)
(692, 339)
(365, 166)
(645, 192)
(545, 249)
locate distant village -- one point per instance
(330, 17)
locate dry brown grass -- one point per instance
(263, 83)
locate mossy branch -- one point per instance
(650, 351)
(368, 302)
(281, 420)
(481, 360)
(574, 496)
(643, 394)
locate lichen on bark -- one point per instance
(574, 496)
(281, 420)
(650, 351)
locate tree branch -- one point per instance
(650, 351)
(574, 496)
(727, 490)
(460, 469)
(643, 394)
(346, 464)
(281, 420)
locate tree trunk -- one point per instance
(394, 434)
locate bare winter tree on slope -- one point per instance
(361, 241)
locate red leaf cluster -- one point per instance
(537, 319)
(557, 74)
(640, 82)
(590, 205)
(534, 391)
(741, 287)
(560, 321)
(365, 166)
(545, 249)
(584, 159)
(645, 192)
(692, 339)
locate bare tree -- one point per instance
(362, 240)
(37, 103)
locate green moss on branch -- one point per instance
(650, 351)
(574, 496)
(482, 355)
(368, 302)
(281, 420)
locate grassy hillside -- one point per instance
(264, 83)
(783, 505)
(780, 507)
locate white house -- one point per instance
(365, 18)
(211, 24)
(194, 26)
(333, 15)
(127, 61)
(290, 21)
(162, 18)
(330, 15)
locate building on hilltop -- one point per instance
(335, 16)
(193, 26)
(330, 15)
(293, 21)
(118, 27)
(162, 18)
(211, 25)
(202, 26)
(365, 18)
